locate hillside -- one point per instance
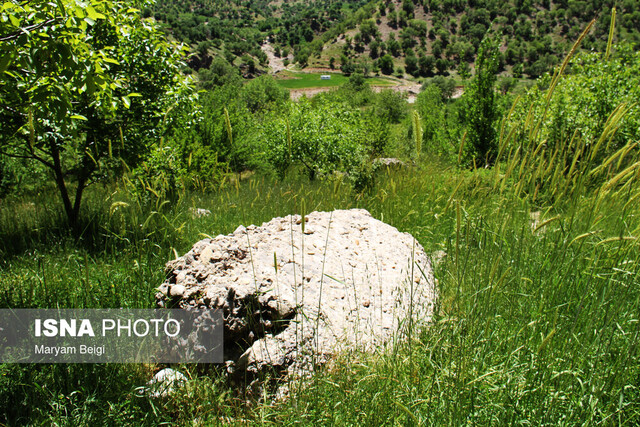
(236, 29)
(425, 37)
(419, 37)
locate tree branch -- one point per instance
(27, 29)
(28, 157)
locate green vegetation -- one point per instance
(69, 76)
(423, 37)
(443, 36)
(236, 29)
(538, 266)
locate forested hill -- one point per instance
(421, 37)
(440, 36)
(237, 28)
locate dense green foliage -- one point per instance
(323, 138)
(480, 110)
(236, 29)
(77, 90)
(442, 36)
(423, 36)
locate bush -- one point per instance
(322, 138)
(386, 64)
(585, 99)
(161, 177)
(391, 105)
(430, 106)
(263, 93)
(481, 110)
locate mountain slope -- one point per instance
(421, 37)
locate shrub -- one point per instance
(481, 111)
(263, 93)
(391, 105)
(322, 138)
(585, 99)
(160, 177)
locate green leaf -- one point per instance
(63, 12)
(127, 102)
(15, 21)
(79, 117)
(93, 14)
(5, 60)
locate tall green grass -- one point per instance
(533, 324)
(538, 318)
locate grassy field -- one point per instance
(297, 80)
(537, 320)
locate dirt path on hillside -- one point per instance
(309, 92)
(275, 64)
(412, 89)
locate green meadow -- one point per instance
(301, 80)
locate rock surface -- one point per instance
(390, 161)
(165, 382)
(294, 294)
(199, 212)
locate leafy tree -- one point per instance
(391, 105)
(374, 49)
(431, 109)
(346, 65)
(323, 138)
(393, 46)
(442, 65)
(386, 64)
(464, 70)
(506, 84)
(368, 30)
(585, 99)
(393, 19)
(407, 7)
(219, 73)
(426, 64)
(446, 86)
(82, 85)
(411, 64)
(263, 93)
(357, 82)
(481, 111)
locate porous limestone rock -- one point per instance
(295, 293)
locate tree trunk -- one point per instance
(72, 216)
(71, 209)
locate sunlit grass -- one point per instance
(532, 323)
(310, 80)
